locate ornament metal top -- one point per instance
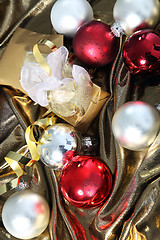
(135, 125)
(67, 15)
(133, 15)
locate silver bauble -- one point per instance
(67, 15)
(135, 125)
(55, 142)
(135, 15)
(25, 214)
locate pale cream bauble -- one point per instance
(133, 15)
(135, 125)
(25, 214)
(68, 15)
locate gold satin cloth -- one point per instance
(133, 209)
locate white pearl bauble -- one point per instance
(25, 214)
(134, 15)
(67, 15)
(135, 125)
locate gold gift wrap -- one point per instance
(132, 210)
(98, 98)
(13, 58)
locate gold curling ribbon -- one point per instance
(13, 159)
(30, 137)
(38, 56)
(9, 186)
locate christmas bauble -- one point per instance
(135, 125)
(146, 58)
(54, 142)
(67, 156)
(94, 45)
(25, 214)
(67, 15)
(86, 181)
(61, 142)
(137, 14)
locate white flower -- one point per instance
(36, 82)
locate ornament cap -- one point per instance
(117, 29)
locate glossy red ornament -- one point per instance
(67, 156)
(86, 181)
(141, 52)
(94, 44)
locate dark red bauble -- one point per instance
(141, 52)
(94, 44)
(86, 181)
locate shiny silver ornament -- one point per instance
(25, 214)
(55, 142)
(135, 125)
(133, 15)
(60, 138)
(67, 15)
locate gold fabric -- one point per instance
(132, 211)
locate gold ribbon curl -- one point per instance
(38, 56)
(31, 140)
(17, 161)
(14, 159)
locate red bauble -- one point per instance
(94, 44)
(67, 156)
(85, 181)
(141, 52)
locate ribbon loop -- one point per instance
(15, 159)
(31, 138)
(38, 56)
